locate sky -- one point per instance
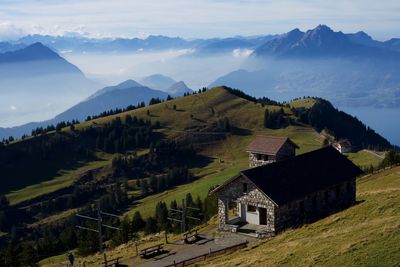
(195, 18)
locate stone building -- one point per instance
(268, 199)
(267, 149)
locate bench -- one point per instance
(191, 236)
(151, 251)
(112, 262)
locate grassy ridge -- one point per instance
(64, 179)
(364, 159)
(367, 234)
(194, 113)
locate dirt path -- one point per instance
(204, 246)
(374, 153)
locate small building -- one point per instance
(343, 146)
(271, 198)
(267, 149)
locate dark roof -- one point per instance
(294, 178)
(269, 144)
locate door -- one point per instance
(242, 212)
(263, 216)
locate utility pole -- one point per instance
(184, 217)
(100, 224)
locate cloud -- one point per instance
(10, 31)
(205, 18)
(13, 108)
(242, 52)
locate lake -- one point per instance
(385, 121)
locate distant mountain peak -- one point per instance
(41, 51)
(322, 27)
(158, 81)
(320, 41)
(121, 86)
(33, 52)
(128, 84)
(178, 89)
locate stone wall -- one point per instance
(316, 205)
(310, 208)
(287, 151)
(254, 162)
(253, 196)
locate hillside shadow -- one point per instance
(240, 131)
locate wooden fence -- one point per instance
(209, 254)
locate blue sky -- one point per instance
(195, 18)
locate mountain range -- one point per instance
(346, 69)
(166, 84)
(108, 98)
(79, 44)
(37, 83)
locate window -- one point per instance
(251, 208)
(244, 187)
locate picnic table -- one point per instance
(151, 251)
(191, 236)
(112, 262)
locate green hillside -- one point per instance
(367, 234)
(192, 117)
(195, 113)
(180, 146)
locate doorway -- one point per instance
(263, 216)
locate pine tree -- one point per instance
(137, 223)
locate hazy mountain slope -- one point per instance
(364, 39)
(7, 47)
(35, 59)
(112, 97)
(178, 89)
(119, 98)
(124, 85)
(320, 62)
(320, 42)
(37, 83)
(393, 44)
(158, 81)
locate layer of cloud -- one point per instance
(193, 18)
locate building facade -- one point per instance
(268, 149)
(286, 194)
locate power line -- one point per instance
(183, 216)
(100, 224)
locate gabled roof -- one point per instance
(287, 180)
(269, 144)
